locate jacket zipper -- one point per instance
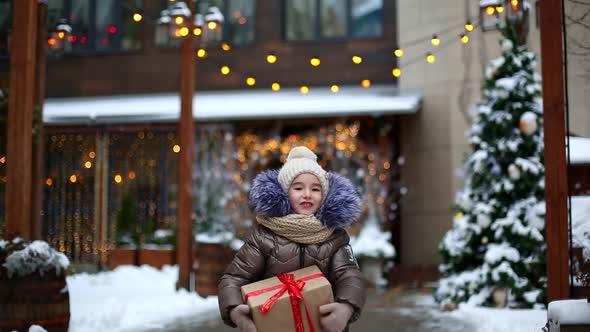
(301, 255)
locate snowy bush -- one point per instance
(19, 258)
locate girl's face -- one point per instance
(305, 194)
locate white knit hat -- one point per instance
(302, 160)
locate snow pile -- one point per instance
(571, 312)
(579, 150)
(36, 257)
(134, 299)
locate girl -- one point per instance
(301, 211)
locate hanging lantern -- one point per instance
(59, 40)
(516, 13)
(162, 34)
(489, 14)
(214, 22)
(179, 16)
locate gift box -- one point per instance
(289, 302)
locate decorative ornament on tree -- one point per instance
(507, 45)
(528, 123)
(514, 172)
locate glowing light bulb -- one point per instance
(250, 81)
(357, 59)
(398, 52)
(396, 72)
(430, 58)
(271, 58)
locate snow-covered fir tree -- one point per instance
(496, 244)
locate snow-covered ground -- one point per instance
(144, 299)
(134, 299)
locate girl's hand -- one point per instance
(335, 316)
(240, 315)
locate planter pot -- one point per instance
(209, 262)
(156, 256)
(42, 301)
(121, 256)
(372, 269)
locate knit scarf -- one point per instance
(297, 227)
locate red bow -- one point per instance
(293, 287)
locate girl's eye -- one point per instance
(316, 189)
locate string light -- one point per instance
(304, 90)
(250, 81)
(514, 4)
(435, 40)
(118, 178)
(179, 20)
(212, 25)
(137, 17)
(88, 164)
(201, 53)
(357, 59)
(396, 72)
(464, 38)
(131, 175)
(469, 26)
(271, 58)
(176, 148)
(500, 9)
(275, 86)
(398, 52)
(3, 160)
(490, 10)
(73, 178)
(225, 70)
(183, 32)
(49, 182)
(91, 154)
(315, 61)
(334, 88)
(197, 31)
(225, 47)
(366, 83)
(430, 58)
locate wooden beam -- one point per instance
(556, 190)
(20, 119)
(185, 161)
(38, 143)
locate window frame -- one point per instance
(318, 25)
(92, 34)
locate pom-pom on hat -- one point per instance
(302, 160)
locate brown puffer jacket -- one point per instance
(266, 254)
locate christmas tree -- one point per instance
(494, 254)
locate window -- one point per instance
(239, 19)
(333, 19)
(98, 25)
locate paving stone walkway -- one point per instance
(404, 310)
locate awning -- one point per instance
(233, 105)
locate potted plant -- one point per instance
(33, 286)
(159, 248)
(127, 236)
(372, 247)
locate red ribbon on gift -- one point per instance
(293, 287)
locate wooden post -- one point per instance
(38, 143)
(101, 184)
(20, 119)
(556, 190)
(185, 160)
